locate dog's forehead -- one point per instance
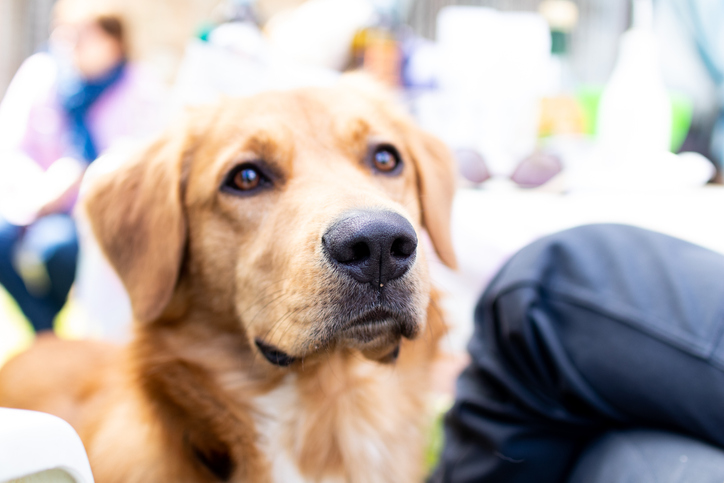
(311, 113)
(279, 127)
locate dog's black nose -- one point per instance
(371, 246)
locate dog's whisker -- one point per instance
(270, 336)
(284, 318)
(269, 298)
(278, 296)
(266, 288)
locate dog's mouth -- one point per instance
(377, 333)
(375, 324)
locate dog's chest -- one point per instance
(287, 425)
(278, 423)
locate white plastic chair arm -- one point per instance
(33, 443)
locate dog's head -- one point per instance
(293, 216)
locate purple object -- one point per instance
(536, 169)
(472, 165)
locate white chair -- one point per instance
(40, 448)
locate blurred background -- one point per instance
(25, 24)
(559, 113)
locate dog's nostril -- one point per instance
(403, 247)
(360, 251)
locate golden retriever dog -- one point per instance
(284, 322)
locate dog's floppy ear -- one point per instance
(137, 217)
(436, 185)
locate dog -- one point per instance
(284, 322)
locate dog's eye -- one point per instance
(245, 178)
(386, 159)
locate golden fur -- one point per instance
(191, 399)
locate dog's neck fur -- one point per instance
(339, 418)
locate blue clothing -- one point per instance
(76, 96)
(54, 242)
(647, 456)
(596, 329)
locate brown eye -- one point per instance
(247, 179)
(385, 159)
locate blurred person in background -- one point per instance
(63, 108)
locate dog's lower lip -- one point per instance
(371, 325)
(368, 332)
(373, 317)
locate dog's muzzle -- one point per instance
(371, 251)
